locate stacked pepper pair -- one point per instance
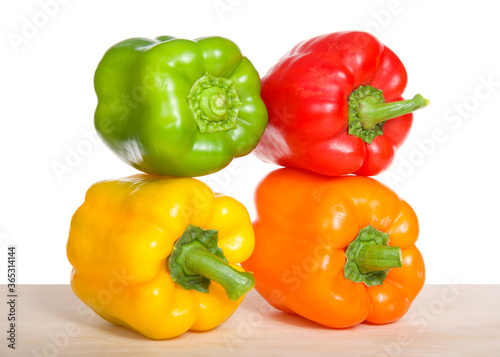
(336, 250)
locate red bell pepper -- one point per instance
(328, 103)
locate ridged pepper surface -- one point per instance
(159, 255)
(176, 107)
(330, 99)
(337, 251)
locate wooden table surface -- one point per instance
(445, 320)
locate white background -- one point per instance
(447, 169)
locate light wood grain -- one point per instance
(445, 320)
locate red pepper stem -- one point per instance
(372, 112)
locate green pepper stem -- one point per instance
(214, 103)
(375, 257)
(236, 283)
(371, 112)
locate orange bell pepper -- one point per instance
(335, 250)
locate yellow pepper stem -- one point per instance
(196, 260)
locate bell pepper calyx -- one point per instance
(369, 257)
(368, 111)
(196, 260)
(214, 103)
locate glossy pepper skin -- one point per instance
(177, 107)
(122, 240)
(325, 99)
(305, 224)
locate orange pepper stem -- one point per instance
(373, 257)
(369, 257)
(196, 260)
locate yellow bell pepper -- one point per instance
(144, 250)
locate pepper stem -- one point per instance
(374, 257)
(372, 113)
(368, 111)
(236, 283)
(369, 257)
(214, 103)
(196, 260)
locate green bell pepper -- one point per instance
(177, 107)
